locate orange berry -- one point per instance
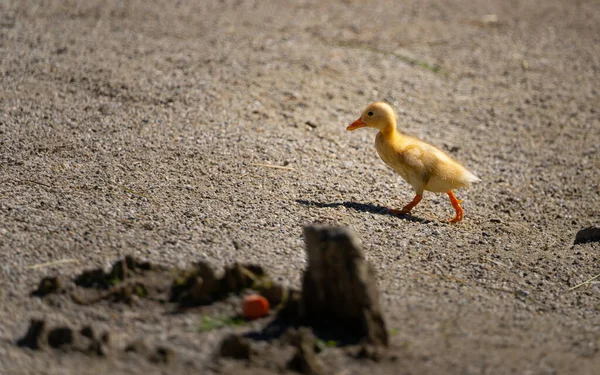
(255, 306)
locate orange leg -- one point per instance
(456, 204)
(406, 209)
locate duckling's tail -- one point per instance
(470, 178)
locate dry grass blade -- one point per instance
(27, 182)
(53, 263)
(588, 281)
(272, 166)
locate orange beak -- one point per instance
(356, 124)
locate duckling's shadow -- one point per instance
(363, 207)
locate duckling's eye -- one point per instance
(370, 113)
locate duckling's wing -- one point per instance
(410, 164)
(444, 172)
(429, 168)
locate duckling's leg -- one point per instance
(406, 209)
(456, 204)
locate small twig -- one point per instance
(53, 263)
(272, 166)
(495, 262)
(585, 282)
(131, 191)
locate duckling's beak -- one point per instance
(356, 124)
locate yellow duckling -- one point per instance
(420, 164)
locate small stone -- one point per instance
(234, 346)
(522, 294)
(148, 226)
(489, 19)
(311, 124)
(589, 234)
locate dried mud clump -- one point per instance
(235, 346)
(50, 285)
(122, 270)
(41, 337)
(305, 360)
(130, 279)
(200, 285)
(158, 354)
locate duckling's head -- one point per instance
(378, 115)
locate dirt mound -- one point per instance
(339, 302)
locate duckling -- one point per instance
(423, 166)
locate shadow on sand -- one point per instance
(363, 207)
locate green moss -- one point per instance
(209, 323)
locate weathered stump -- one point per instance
(339, 290)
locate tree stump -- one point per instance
(339, 290)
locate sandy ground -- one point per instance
(136, 127)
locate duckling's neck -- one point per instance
(390, 132)
(391, 136)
